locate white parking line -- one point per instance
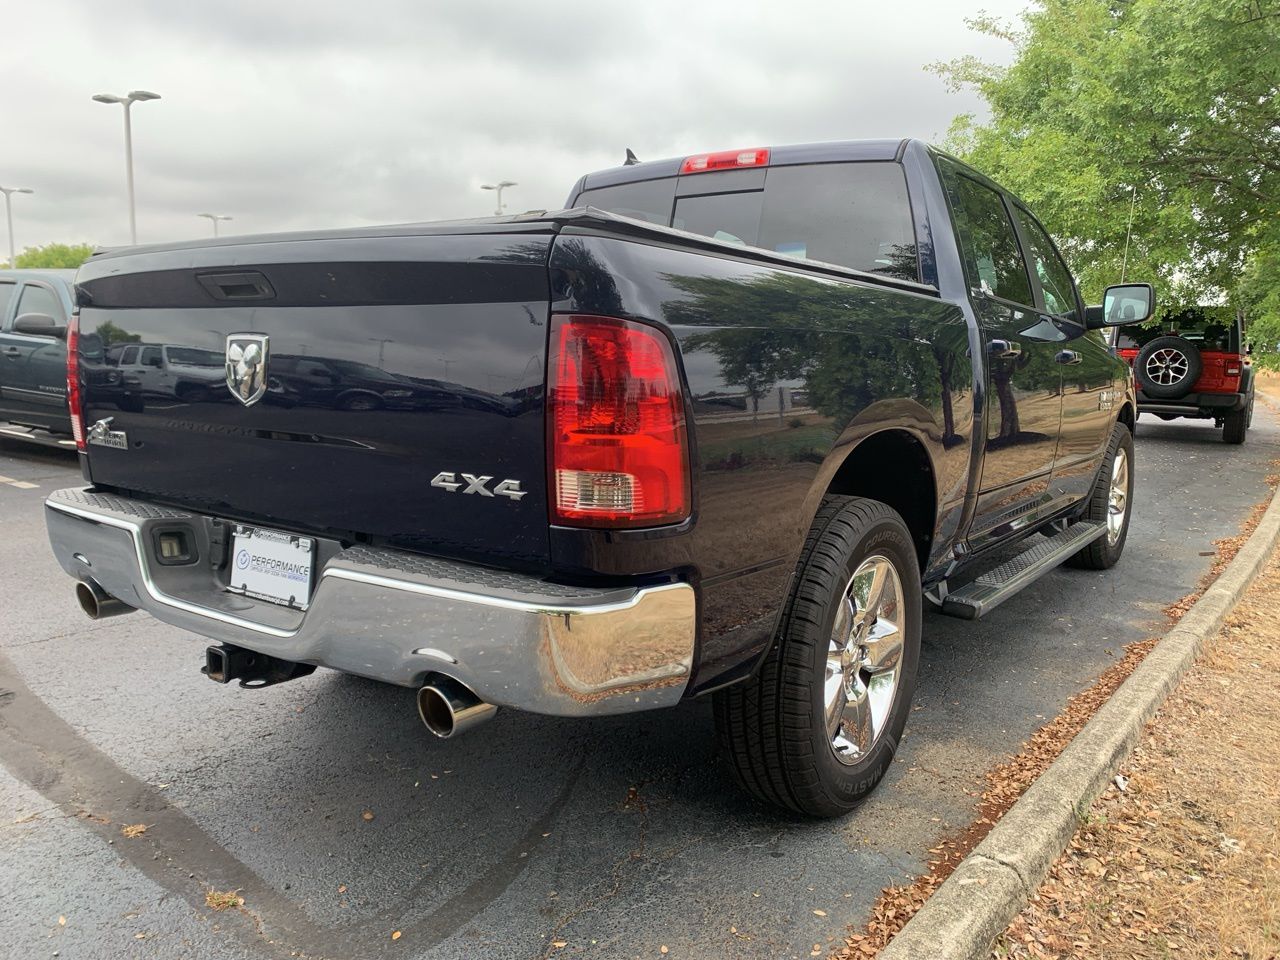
(20, 484)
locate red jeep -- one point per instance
(1193, 364)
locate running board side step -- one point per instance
(988, 591)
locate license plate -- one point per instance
(271, 565)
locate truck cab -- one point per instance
(35, 306)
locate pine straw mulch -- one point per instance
(1007, 781)
(1179, 856)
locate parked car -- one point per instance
(917, 390)
(1193, 364)
(34, 307)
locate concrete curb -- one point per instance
(994, 882)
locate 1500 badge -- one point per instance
(447, 480)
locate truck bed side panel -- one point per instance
(788, 370)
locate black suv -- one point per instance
(1193, 364)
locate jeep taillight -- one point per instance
(1233, 368)
(617, 447)
(73, 380)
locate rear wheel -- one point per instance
(1236, 424)
(1109, 503)
(817, 727)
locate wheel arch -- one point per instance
(1127, 415)
(893, 466)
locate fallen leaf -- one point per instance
(819, 913)
(395, 934)
(663, 948)
(134, 830)
(62, 921)
(367, 816)
(223, 900)
(559, 943)
(342, 888)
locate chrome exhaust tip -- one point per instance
(97, 603)
(449, 707)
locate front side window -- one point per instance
(34, 299)
(993, 260)
(1054, 277)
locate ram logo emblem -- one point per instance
(247, 366)
(469, 483)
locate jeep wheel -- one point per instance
(1236, 424)
(1167, 367)
(817, 727)
(1109, 503)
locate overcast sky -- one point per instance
(292, 115)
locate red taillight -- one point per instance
(1233, 369)
(616, 442)
(73, 380)
(725, 160)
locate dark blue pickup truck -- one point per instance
(721, 427)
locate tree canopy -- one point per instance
(54, 256)
(1168, 107)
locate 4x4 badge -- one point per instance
(447, 480)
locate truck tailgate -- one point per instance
(389, 360)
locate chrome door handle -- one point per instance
(1004, 349)
(12, 352)
(1068, 356)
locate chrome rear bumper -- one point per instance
(515, 640)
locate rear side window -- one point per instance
(1055, 278)
(993, 261)
(849, 214)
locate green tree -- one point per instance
(1168, 107)
(54, 256)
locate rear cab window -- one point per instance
(851, 214)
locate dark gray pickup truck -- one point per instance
(34, 307)
(722, 427)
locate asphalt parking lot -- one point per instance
(340, 820)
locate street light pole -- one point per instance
(498, 187)
(8, 213)
(135, 96)
(214, 217)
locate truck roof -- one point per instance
(834, 151)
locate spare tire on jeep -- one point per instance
(1167, 367)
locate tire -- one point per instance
(1236, 424)
(773, 729)
(1167, 367)
(1103, 553)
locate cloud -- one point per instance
(291, 115)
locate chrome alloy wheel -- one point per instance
(1167, 367)
(863, 658)
(1118, 496)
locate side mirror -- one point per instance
(39, 325)
(1122, 304)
